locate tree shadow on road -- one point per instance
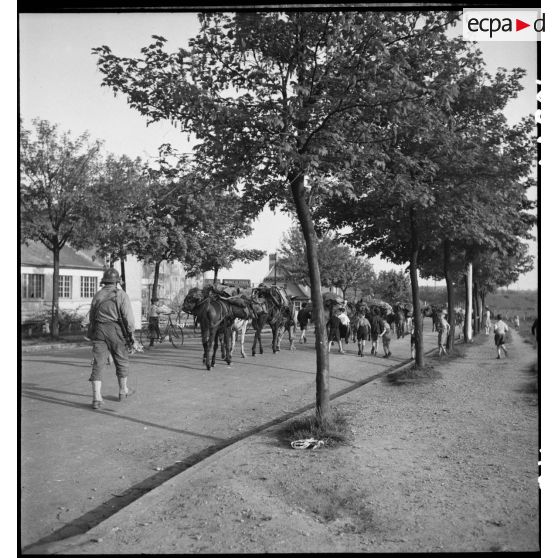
(110, 412)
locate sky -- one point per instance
(59, 82)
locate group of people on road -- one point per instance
(339, 325)
(111, 329)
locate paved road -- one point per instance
(79, 466)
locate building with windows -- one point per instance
(80, 277)
(79, 280)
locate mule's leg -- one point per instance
(260, 328)
(280, 333)
(205, 343)
(233, 340)
(274, 338)
(228, 336)
(292, 338)
(242, 335)
(213, 341)
(221, 337)
(257, 324)
(257, 340)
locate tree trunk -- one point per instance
(54, 322)
(413, 272)
(155, 290)
(475, 310)
(123, 273)
(478, 307)
(451, 296)
(215, 273)
(318, 317)
(469, 303)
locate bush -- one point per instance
(68, 320)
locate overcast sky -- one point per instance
(59, 82)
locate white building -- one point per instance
(80, 277)
(79, 280)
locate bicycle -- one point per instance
(172, 331)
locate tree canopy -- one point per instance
(57, 179)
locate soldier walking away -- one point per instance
(111, 328)
(500, 330)
(516, 322)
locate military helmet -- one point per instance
(110, 276)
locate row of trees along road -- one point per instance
(340, 267)
(71, 194)
(318, 111)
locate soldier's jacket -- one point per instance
(104, 309)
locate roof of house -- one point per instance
(271, 273)
(296, 292)
(37, 255)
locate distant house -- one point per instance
(277, 275)
(298, 293)
(79, 279)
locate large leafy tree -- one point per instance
(393, 286)
(277, 99)
(482, 178)
(118, 211)
(171, 211)
(434, 189)
(58, 175)
(339, 267)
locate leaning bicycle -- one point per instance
(171, 331)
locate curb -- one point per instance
(104, 527)
(32, 348)
(78, 344)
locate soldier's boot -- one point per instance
(123, 391)
(97, 397)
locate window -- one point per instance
(65, 286)
(88, 287)
(32, 285)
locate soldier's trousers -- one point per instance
(108, 338)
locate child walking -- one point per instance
(386, 337)
(500, 330)
(363, 333)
